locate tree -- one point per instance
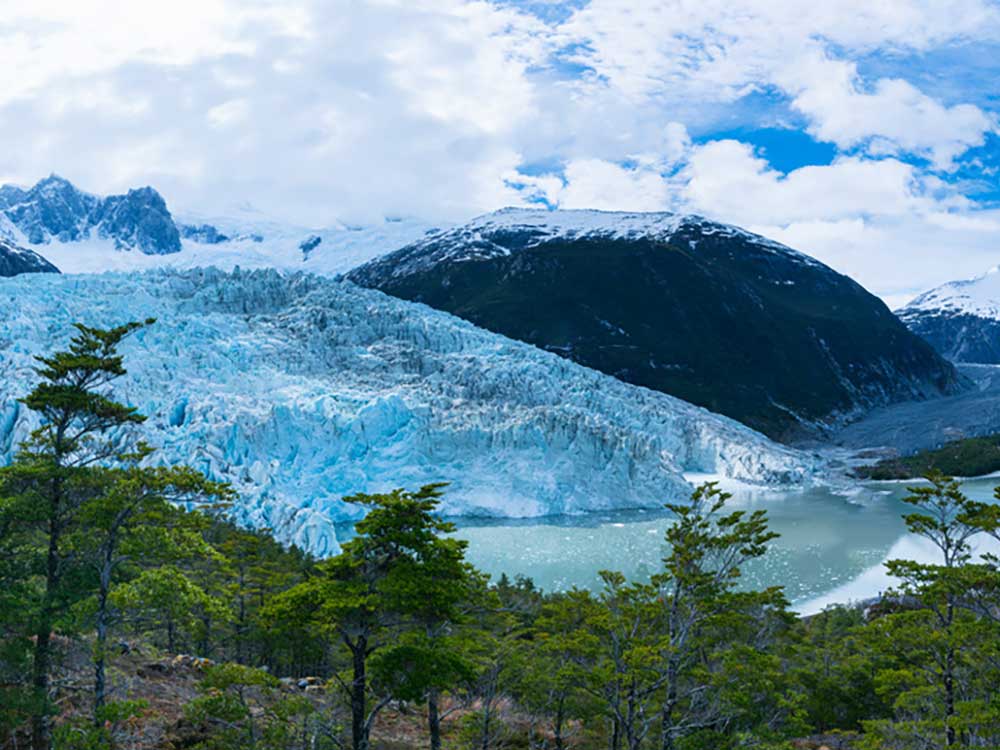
(834, 662)
(52, 477)
(942, 685)
(703, 612)
(165, 600)
(243, 708)
(379, 583)
(255, 567)
(131, 521)
(436, 590)
(548, 678)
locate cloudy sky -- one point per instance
(864, 133)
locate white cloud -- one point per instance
(594, 183)
(718, 50)
(228, 113)
(353, 109)
(894, 113)
(725, 178)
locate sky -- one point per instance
(863, 133)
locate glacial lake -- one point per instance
(831, 548)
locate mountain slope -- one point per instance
(54, 210)
(16, 260)
(84, 233)
(301, 390)
(961, 319)
(707, 312)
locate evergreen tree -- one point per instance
(943, 684)
(704, 613)
(53, 477)
(384, 580)
(79, 501)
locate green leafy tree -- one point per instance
(548, 678)
(243, 708)
(255, 567)
(165, 602)
(52, 477)
(943, 686)
(831, 658)
(364, 597)
(434, 590)
(134, 522)
(704, 613)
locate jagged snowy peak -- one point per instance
(979, 296)
(509, 230)
(139, 219)
(84, 233)
(55, 210)
(16, 260)
(960, 319)
(301, 390)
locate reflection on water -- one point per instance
(830, 549)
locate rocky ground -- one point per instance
(168, 682)
(906, 428)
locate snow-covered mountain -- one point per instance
(960, 319)
(16, 260)
(55, 210)
(301, 390)
(705, 311)
(509, 230)
(84, 233)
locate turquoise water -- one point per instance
(831, 547)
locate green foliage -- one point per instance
(118, 724)
(96, 544)
(832, 658)
(968, 457)
(398, 574)
(945, 645)
(242, 708)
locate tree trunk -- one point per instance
(101, 641)
(558, 724)
(669, 704)
(951, 738)
(434, 720)
(485, 739)
(359, 695)
(949, 685)
(241, 620)
(41, 725)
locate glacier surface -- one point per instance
(300, 390)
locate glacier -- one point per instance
(300, 390)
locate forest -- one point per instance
(118, 573)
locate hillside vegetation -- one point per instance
(969, 457)
(114, 571)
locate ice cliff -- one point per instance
(300, 390)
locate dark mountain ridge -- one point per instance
(16, 260)
(707, 312)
